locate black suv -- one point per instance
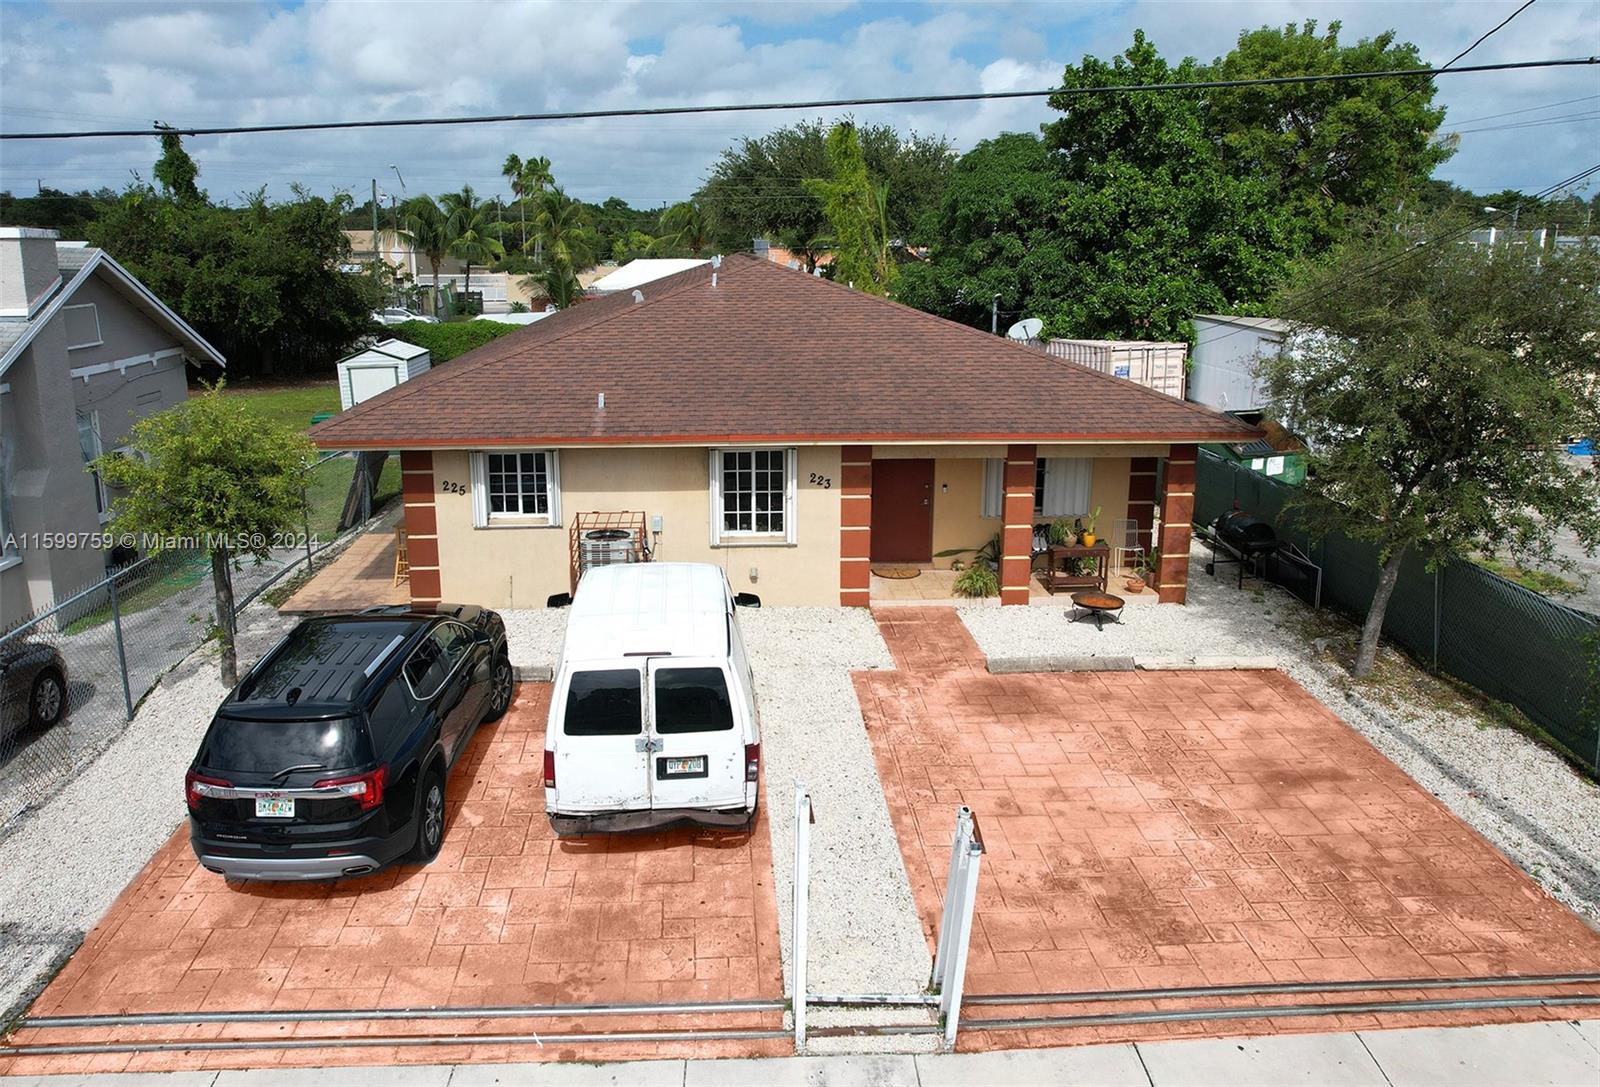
(330, 757)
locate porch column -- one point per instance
(855, 525)
(422, 526)
(1142, 497)
(1016, 539)
(1177, 511)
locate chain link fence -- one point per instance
(73, 672)
(1511, 643)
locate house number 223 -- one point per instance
(821, 481)
(452, 488)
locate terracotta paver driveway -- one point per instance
(1160, 829)
(505, 915)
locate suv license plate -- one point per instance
(274, 809)
(695, 767)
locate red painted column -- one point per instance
(422, 526)
(855, 525)
(1177, 511)
(1016, 538)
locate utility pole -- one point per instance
(375, 250)
(994, 315)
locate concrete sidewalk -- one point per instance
(1529, 1054)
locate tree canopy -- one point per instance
(1149, 208)
(757, 188)
(262, 283)
(856, 210)
(1434, 384)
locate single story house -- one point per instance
(86, 351)
(784, 427)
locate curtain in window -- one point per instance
(1066, 485)
(994, 487)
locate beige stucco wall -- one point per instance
(520, 566)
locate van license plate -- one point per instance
(274, 809)
(695, 767)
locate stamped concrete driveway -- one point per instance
(506, 914)
(1161, 829)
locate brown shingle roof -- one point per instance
(768, 354)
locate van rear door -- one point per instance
(602, 756)
(698, 761)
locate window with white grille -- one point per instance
(752, 494)
(519, 487)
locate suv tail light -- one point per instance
(366, 789)
(752, 762)
(196, 786)
(549, 769)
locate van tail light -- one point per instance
(365, 789)
(196, 786)
(752, 762)
(549, 769)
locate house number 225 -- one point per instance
(821, 481)
(452, 488)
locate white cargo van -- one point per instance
(653, 716)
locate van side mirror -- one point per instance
(746, 600)
(559, 600)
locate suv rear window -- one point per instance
(266, 747)
(604, 702)
(692, 700)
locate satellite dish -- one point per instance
(1025, 330)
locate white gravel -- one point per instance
(65, 865)
(864, 934)
(1519, 795)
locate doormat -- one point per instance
(897, 573)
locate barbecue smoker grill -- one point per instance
(1242, 538)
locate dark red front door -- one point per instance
(902, 511)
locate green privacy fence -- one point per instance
(1509, 642)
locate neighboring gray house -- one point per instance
(85, 351)
(1222, 367)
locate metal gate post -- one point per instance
(956, 965)
(802, 898)
(122, 654)
(958, 861)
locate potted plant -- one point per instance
(977, 578)
(1088, 530)
(1061, 531)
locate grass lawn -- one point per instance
(291, 404)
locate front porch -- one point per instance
(930, 508)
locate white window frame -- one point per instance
(721, 537)
(99, 334)
(483, 518)
(994, 488)
(102, 492)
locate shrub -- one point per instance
(447, 341)
(977, 580)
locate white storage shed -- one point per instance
(1222, 375)
(379, 368)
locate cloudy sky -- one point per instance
(86, 64)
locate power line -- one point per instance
(1529, 109)
(1485, 36)
(1565, 119)
(835, 103)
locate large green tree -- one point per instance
(1434, 384)
(756, 189)
(857, 217)
(262, 283)
(212, 470)
(175, 170)
(685, 226)
(1326, 148)
(428, 229)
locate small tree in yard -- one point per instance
(1434, 384)
(210, 471)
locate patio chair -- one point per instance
(1127, 540)
(402, 560)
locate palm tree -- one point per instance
(429, 230)
(557, 282)
(686, 224)
(562, 231)
(474, 230)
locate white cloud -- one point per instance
(84, 65)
